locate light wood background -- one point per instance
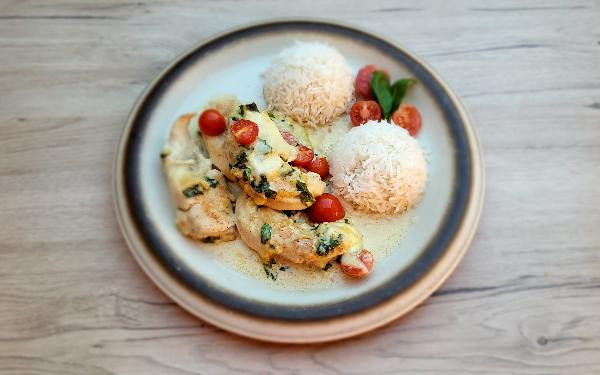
(525, 300)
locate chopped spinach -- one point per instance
(271, 115)
(283, 268)
(286, 173)
(192, 191)
(338, 259)
(327, 266)
(346, 221)
(265, 233)
(252, 107)
(211, 239)
(305, 196)
(263, 187)
(247, 174)
(268, 267)
(211, 181)
(328, 244)
(240, 160)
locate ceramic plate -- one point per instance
(191, 274)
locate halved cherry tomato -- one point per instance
(320, 166)
(289, 138)
(244, 131)
(365, 110)
(326, 208)
(304, 157)
(408, 117)
(211, 122)
(362, 84)
(357, 265)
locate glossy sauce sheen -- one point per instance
(381, 234)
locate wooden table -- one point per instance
(525, 300)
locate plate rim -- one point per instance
(472, 210)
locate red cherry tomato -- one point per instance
(305, 156)
(408, 117)
(244, 131)
(289, 138)
(211, 122)
(326, 208)
(365, 110)
(358, 265)
(320, 166)
(362, 84)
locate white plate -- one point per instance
(231, 63)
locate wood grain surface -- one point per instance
(525, 300)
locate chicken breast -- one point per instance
(294, 237)
(204, 205)
(262, 169)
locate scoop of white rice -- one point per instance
(378, 167)
(310, 82)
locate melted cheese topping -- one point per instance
(352, 239)
(268, 132)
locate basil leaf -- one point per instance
(265, 233)
(211, 181)
(192, 191)
(382, 91)
(399, 89)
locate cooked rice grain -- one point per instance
(310, 82)
(378, 167)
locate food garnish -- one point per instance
(211, 122)
(363, 111)
(265, 233)
(409, 118)
(389, 96)
(244, 131)
(327, 208)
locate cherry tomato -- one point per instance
(362, 84)
(365, 110)
(326, 208)
(358, 265)
(244, 131)
(304, 157)
(320, 166)
(211, 122)
(408, 117)
(289, 138)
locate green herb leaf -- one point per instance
(247, 176)
(399, 89)
(305, 196)
(240, 160)
(264, 187)
(328, 244)
(211, 181)
(327, 266)
(268, 267)
(211, 239)
(265, 233)
(271, 115)
(192, 191)
(382, 91)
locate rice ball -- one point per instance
(378, 167)
(309, 82)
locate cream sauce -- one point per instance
(381, 235)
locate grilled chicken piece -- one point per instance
(262, 169)
(270, 232)
(204, 205)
